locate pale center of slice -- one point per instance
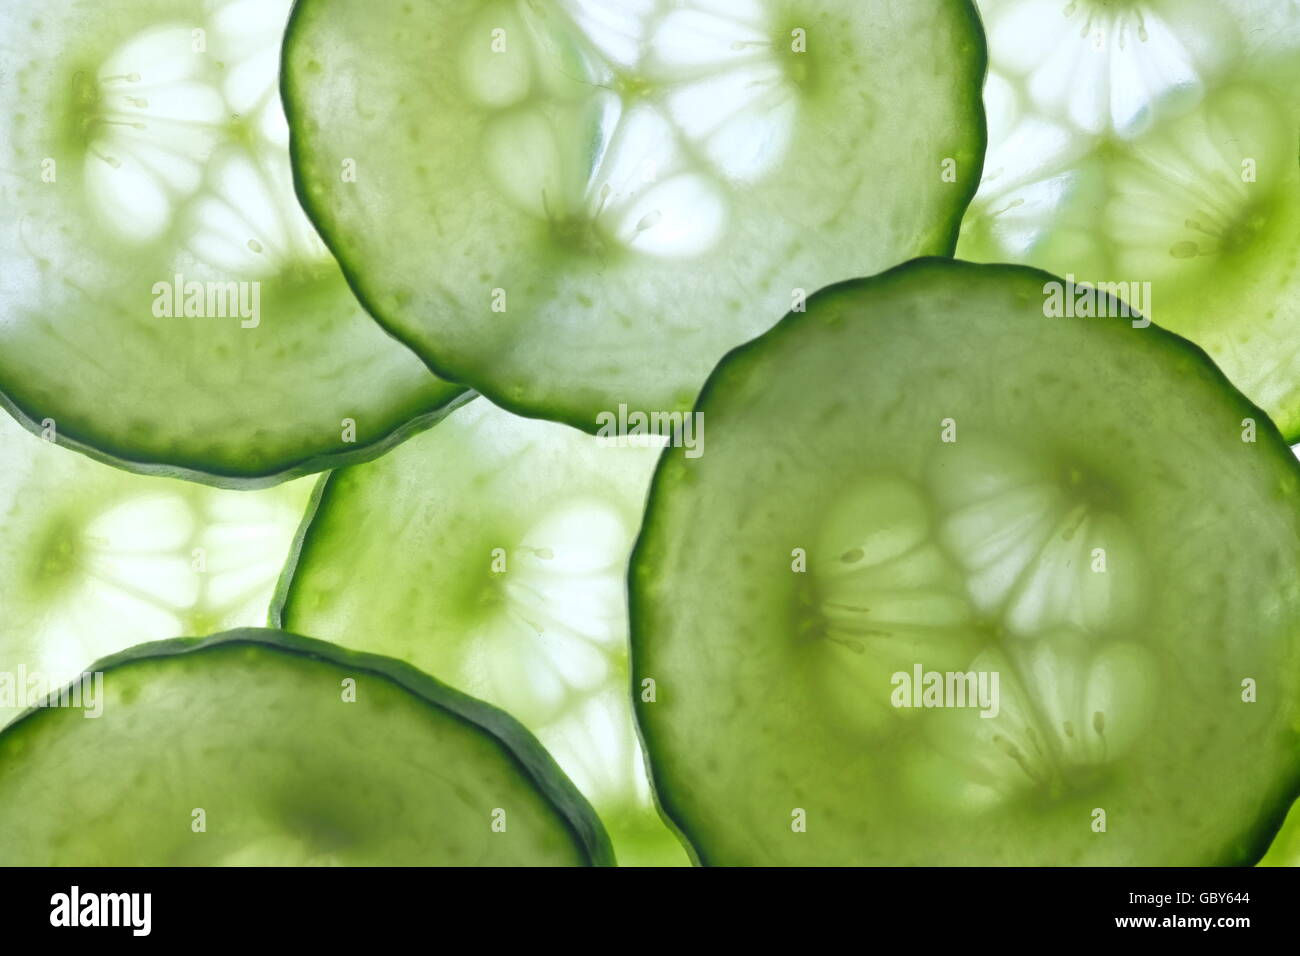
(994, 604)
(552, 650)
(126, 559)
(184, 136)
(1205, 184)
(884, 597)
(1100, 64)
(555, 622)
(624, 124)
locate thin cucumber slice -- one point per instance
(1154, 144)
(94, 560)
(571, 205)
(491, 553)
(163, 299)
(908, 478)
(260, 748)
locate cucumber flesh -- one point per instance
(491, 552)
(244, 749)
(1285, 848)
(788, 584)
(570, 205)
(1181, 174)
(144, 169)
(94, 560)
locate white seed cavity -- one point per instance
(558, 629)
(695, 96)
(1020, 601)
(165, 152)
(1026, 542)
(882, 597)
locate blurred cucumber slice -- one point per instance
(908, 476)
(144, 169)
(570, 205)
(491, 552)
(261, 748)
(94, 560)
(1285, 849)
(1155, 143)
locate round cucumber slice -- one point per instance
(491, 552)
(94, 560)
(260, 748)
(163, 299)
(1154, 145)
(571, 205)
(1099, 558)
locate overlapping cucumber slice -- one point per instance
(491, 553)
(1155, 143)
(571, 205)
(163, 299)
(94, 560)
(1285, 848)
(260, 748)
(1100, 558)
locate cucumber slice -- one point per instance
(93, 560)
(1155, 143)
(244, 749)
(1285, 849)
(144, 157)
(491, 552)
(1097, 534)
(571, 205)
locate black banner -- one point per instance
(241, 905)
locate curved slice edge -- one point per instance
(438, 366)
(246, 481)
(673, 817)
(284, 585)
(534, 761)
(305, 537)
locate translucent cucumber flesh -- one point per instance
(1285, 848)
(242, 749)
(571, 206)
(163, 299)
(1178, 171)
(1096, 534)
(491, 552)
(94, 560)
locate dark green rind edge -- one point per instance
(947, 247)
(235, 480)
(305, 538)
(280, 599)
(673, 815)
(124, 459)
(981, 129)
(519, 744)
